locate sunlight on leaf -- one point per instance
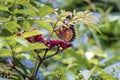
(45, 10)
(29, 34)
(31, 46)
(45, 25)
(5, 52)
(26, 12)
(2, 8)
(97, 29)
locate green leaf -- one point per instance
(5, 52)
(3, 18)
(97, 40)
(34, 46)
(109, 9)
(6, 32)
(29, 34)
(11, 1)
(26, 12)
(22, 2)
(45, 25)
(27, 25)
(12, 26)
(10, 41)
(45, 10)
(97, 29)
(1, 42)
(104, 75)
(3, 8)
(22, 41)
(25, 3)
(31, 46)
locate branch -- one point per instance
(53, 29)
(37, 68)
(49, 35)
(38, 57)
(40, 62)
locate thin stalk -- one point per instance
(39, 63)
(53, 29)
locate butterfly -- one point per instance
(66, 33)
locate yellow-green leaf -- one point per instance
(26, 12)
(45, 25)
(45, 10)
(104, 75)
(5, 52)
(29, 34)
(3, 8)
(25, 3)
(12, 26)
(31, 46)
(97, 29)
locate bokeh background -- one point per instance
(91, 52)
(91, 48)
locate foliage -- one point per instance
(29, 49)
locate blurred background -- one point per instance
(90, 47)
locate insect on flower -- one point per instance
(67, 34)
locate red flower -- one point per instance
(65, 45)
(50, 43)
(62, 44)
(38, 38)
(19, 34)
(32, 39)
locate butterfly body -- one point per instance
(66, 34)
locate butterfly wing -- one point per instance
(66, 34)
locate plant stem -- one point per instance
(53, 29)
(40, 62)
(12, 65)
(34, 69)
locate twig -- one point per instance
(44, 58)
(34, 69)
(40, 62)
(53, 29)
(37, 68)
(49, 35)
(38, 57)
(45, 53)
(12, 65)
